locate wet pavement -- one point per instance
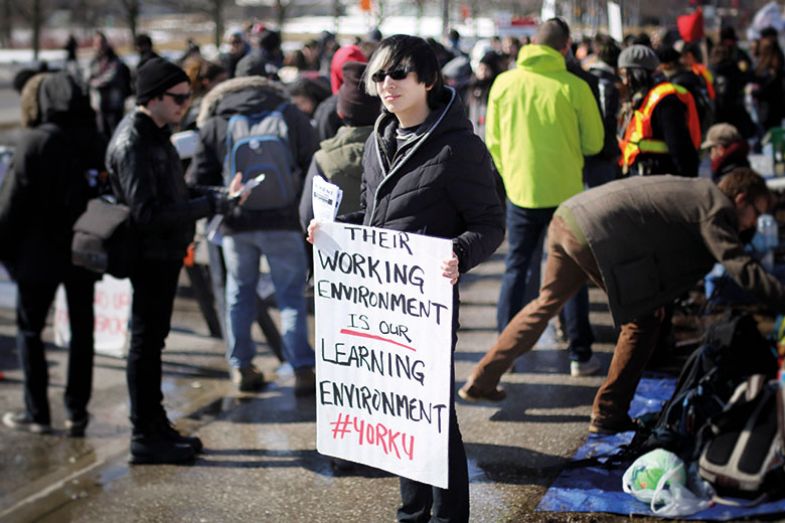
(260, 462)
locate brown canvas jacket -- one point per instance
(655, 237)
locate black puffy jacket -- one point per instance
(47, 188)
(443, 185)
(146, 174)
(250, 95)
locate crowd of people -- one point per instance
(543, 139)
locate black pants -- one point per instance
(33, 302)
(421, 502)
(154, 286)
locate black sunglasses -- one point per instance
(179, 99)
(395, 74)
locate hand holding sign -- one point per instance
(312, 228)
(450, 269)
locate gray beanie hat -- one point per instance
(639, 56)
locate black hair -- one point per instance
(313, 89)
(607, 50)
(640, 81)
(143, 40)
(694, 49)
(412, 53)
(668, 55)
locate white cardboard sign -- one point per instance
(383, 349)
(615, 25)
(112, 309)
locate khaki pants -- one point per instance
(569, 266)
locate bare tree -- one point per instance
(5, 23)
(214, 9)
(281, 8)
(35, 12)
(131, 10)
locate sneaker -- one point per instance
(22, 422)
(155, 448)
(304, 382)
(75, 428)
(248, 379)
(612, 427)
(471, 393)
(172, 434)
(589, 367)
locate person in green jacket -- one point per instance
(541, 121)
(339, 159)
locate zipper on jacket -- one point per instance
(411, 153)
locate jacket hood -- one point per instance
(62, 101)
(541, 58)
(31, 112)
(348, 53)
(238, 95)
(448, 117)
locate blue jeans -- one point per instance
(285, 254)
(526, 230)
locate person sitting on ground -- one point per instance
(728, 150)
(644, 241)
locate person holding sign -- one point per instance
(426, 172)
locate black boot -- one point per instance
(173, 435)
(150, 444)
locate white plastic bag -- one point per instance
(659, 479)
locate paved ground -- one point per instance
(261, 463)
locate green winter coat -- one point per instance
(339, 159)
(541, 121)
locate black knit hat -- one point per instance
(356, 107)
(155, 77)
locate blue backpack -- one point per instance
(257, 146)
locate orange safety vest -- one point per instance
(703, 71)
(638, 135)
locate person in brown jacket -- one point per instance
(645, 241)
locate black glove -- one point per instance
(221, 202)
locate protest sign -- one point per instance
(383, 349)
(112, 309)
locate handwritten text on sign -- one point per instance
(383, 349)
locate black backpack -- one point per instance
(104, 241)
(732, 351)
(744, 457)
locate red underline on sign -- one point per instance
(375, 337)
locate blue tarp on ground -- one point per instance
(598, 489)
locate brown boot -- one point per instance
(248, 379)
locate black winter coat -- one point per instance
(609, 102)
(250, 95)
(443, 185)
(729, 85)
(47, 188)
(146, 174)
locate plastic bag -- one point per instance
(660, 479)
